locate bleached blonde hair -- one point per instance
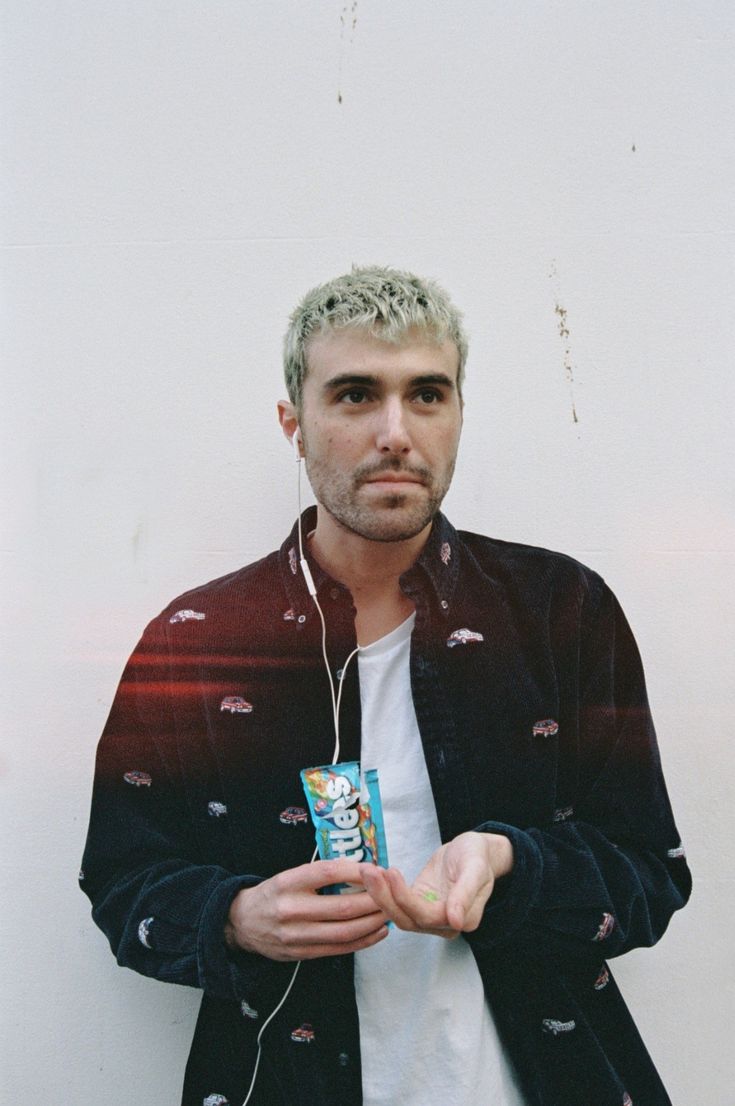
(384, 302)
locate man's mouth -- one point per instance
(394, 478)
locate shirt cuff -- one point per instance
(223, 972)
(514, 895)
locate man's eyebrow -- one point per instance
(356, 379)
(440, 379)
(423, 380)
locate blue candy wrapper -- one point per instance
(347, 813)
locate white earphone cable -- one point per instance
(336, 701)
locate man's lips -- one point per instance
(394, 478)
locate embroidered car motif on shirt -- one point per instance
(461, 637)
(293, 815)
(303, 1033)
(555, 1027)
(563, 813)
(289, 615)
(187, 615)
(138, 779)
(144, 929)
(602, 980)
(627, 1100)
(292, 560)
(216, 809)
(605, 928)
(678, 853)
(547, 727)
(247, 1011)
(216, 1100)
(446, 553)
(235, 704)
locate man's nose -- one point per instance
(392, 433)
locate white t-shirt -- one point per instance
(426, 1033)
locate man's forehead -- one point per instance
(358, 349)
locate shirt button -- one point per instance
(343, 1059)
(302, 618)
(444, 605)
(334, 592)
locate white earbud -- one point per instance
(296, 443)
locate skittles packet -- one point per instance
(347, 814)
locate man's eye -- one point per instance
(354, 397)
(429, 395)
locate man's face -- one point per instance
(380, 425)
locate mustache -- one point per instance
(393, 465)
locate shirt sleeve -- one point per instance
(161, 905)
(608, 877)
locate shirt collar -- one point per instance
(437, 566)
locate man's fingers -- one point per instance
(305, 941)
(448, 897)
(313, 951)
(421, 903)
(321, 873)
(285, 918)
(408, 908)
(467, 898)
(311, 907)
(333, 933)
(381, 891)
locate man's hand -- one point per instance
(284, 918)
(450, 894)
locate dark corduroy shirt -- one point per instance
(535, 724)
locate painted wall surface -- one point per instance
(176, 175)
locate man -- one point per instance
(498, 690)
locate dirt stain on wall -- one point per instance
(563, 323)
(568, 371)
(347, 24)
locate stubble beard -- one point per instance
(394, 517)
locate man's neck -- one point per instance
(371, 570)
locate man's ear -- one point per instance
(288, 418)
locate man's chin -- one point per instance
(392, 523)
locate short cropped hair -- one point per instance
(384, 302)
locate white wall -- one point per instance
(177, 173)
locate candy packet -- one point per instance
(345, 808)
